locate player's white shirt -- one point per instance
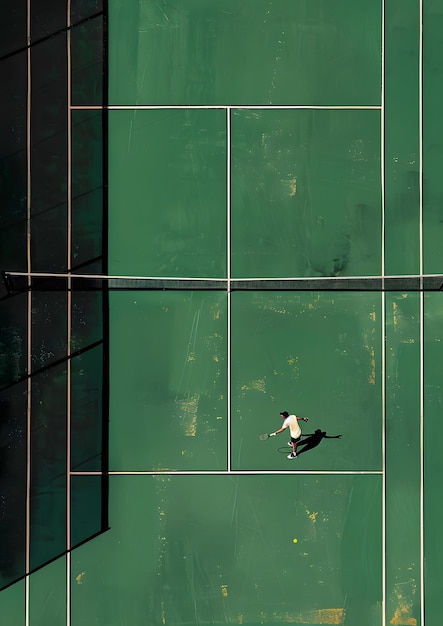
(292, 423)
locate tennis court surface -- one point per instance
(213, 212)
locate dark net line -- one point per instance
(16, 283)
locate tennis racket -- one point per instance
(264, 436)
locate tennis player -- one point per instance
(291, 422)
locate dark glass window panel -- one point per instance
(13, 78)
(13, 28)
(87, 62)
(87, 186)
(13, 404)
(49, 328)
(47, 17)
(48, 465)
(49, 149)
(87, 411)
(86, 508)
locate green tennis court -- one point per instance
(212, 212)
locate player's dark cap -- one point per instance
(284, 413)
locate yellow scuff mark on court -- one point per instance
(292, 184)
(371, 377)
(255, 385)
(191, 428)
(401, 621)
(395, 315)
(191, 357)
(189, 406)
(408, 340)
(274, 309)
(163, 614)
(79, 578)
(402, 615)
(240, 618)
(372, 316)
(312, 516)
(326, 616)
(215, 358)
(292, 360)
(316, 616)
(217, 314)
(224, 590)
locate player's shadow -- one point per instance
(312, 440)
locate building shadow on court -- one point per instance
(54, 344)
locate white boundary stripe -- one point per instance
(247, 107)
(29, 314)
(422, 461)
(255, 107)
(342, 278)
(383, 311)
(228, 275)
(231, 472)
(420, 134)
(108, 277)
(422, 322)
(69, 316)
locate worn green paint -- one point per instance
(199, 549)
(12, 603)
(403, 343)
(313, 354)
(306, 193)
(249, 52)
(433, 433)
(432, 138)
(401, 166)
(167, 186)
(168, 381)
(52, 577)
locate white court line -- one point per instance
(69, 316)
(108, 277)
(29, 314)
(383, 311)
(420, 135)
(234, 473)
(422, 461)
(228, 275)
(382, 276)
(422, 323)
(244, 107)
